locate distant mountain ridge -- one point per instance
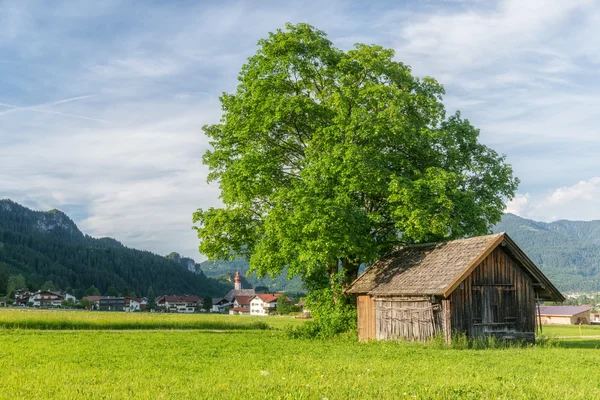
(48, 246)
(567, 251)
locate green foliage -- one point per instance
(207, 303)
(48, 285)
(69, 303)
(15, 282)
(151, 305)
(84, 304)
(4, 276)
(111, 291)
(48, 246)
(325, 158)
(283, 305)
(92, 291)
(333, 313)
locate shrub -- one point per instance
(333, 314)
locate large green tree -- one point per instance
(326, 158)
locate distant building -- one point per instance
(219, 304)
(264, 304)
(46, 298)
(22, 296)
(133, 304)
(565, 315)
(180, 304)
(2, 303)
(595, 318)
(95, 301)
(109, 303)
(239, 311)
(237, 289)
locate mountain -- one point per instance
(266, 284)
(568, 252)
(48, 246)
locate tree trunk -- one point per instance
(349, 273)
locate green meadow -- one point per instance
(175, 363)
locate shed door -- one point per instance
(493, 309)
(366, 317)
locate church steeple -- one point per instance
(237, 281)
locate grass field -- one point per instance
(259, 364)
(59, 320)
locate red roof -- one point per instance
(179, 299)
(243, 300)
(94, 298)
(269, 298)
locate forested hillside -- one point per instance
(48, 246)
(567, 251)
(277, 284)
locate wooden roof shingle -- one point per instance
(437, 268)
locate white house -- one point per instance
(132, 304)
(46, 298)
(264, 304)
(180, 304)
(68, 296)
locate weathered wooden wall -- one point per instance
(497, 298)
(365, 306)
(406, 318)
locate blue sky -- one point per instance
(102, 102)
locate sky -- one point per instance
(102, 103)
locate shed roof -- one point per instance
(438, 268)
(564, 311)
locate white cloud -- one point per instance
(519, 205)
(576, 202)
(129, 158)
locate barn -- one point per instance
(479, 286)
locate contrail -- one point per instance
(70, 115)
(36, 108)
(16, 108)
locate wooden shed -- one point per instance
(479, 286)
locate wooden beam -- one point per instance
(447, 320)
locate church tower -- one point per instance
(237, 285)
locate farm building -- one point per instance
(110, 303)
(565, 315)
(479, 286)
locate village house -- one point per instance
(595, 318)
(46, 298)
(241, 305)
(264, 304)
(180, 304)
(220, 304)
(94, 301)
(22, 297)
(565, 315)
(133, 304)
(479, 286)
(110, 303)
